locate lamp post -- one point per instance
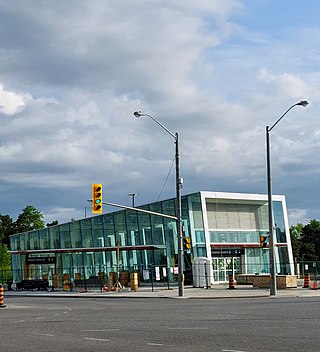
(273, 283)
(133, 196)
(178, 200)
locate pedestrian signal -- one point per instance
(187, 243)
(263, 241)
(97, 198)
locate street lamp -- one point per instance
(178, 200)
(132, 195)
(273, 283)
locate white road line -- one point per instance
(100, 330)
(46, 334)
(188, 328)
(93, 339)
(232, 351)
(38, 318)
(17, 321)
(154, 344)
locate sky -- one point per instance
(215, 71)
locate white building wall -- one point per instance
(247, 222)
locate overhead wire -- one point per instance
(166, 180)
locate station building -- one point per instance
(225, 228)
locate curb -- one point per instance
(189, 293)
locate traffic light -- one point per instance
(263, 241)
(186, 243)
(97, 198)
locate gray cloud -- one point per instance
(71, 75)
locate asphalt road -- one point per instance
(124, 324)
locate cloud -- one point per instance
(72, 74)
(11, 102)
(298, 216)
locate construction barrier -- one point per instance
(134, 281)
(124, 278)
(306, 281)
(1, 297)
(231, 282)
(314, 285)
(66, 286)
(112, 278)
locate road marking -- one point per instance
(17, 321)
(93, 339)
(205, 328)
(38, 318)
(46, 334)
(99, 330)
(154, 344)
(232, 351)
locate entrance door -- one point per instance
(40, 271)
(223, 267)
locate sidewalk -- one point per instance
(215, 292)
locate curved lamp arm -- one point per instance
(139, 114)
(303, 103)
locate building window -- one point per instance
(200, 237)
(65, 236)
(257, 261)
(201, 251)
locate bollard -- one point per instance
(1, 297)
(306, 281)
(231, 282)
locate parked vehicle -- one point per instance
(36, 284)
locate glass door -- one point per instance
(223, 267)
(219, 269)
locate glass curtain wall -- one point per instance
(75, 245)
(242, 223)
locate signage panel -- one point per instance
(41, 260)
(227, 252)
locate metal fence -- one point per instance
(105, 278)
(5, 276)
(95, 278)
(312, 268)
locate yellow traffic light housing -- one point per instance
(97, 198)
(263, 241)
(187, 243)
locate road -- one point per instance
(124, 324)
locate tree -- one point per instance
(295, 234)
(308, 252)
(5, 258)
(53, 223)
(29, 219)
(310, 241)
(7, 228)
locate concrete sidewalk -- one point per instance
(215, 292)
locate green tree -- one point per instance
(295, 234)
(310, 241)
(7, 228)
(53, 223)
(29, 219)
(5, 258)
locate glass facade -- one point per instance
(222, 227)
(235, 227)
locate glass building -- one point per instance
(223, 227)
